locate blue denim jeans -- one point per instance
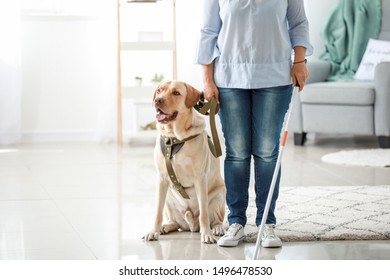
(251, 121)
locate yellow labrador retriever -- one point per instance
(195, 199)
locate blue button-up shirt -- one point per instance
(251, 41)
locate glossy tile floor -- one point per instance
(95, 201)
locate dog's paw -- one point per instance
(208, 238)
(167, 228)
(218, 230)
(151, 236)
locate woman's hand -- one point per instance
(299, 74)
(209, 87)
(210, 90)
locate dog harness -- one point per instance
(169, 147)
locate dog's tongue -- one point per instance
(160, 116)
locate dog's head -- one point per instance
(171, 98)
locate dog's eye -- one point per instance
(158, 90)
(176, 93)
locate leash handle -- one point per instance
(203, 108)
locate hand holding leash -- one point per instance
(203, 108)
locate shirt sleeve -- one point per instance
(207, 49)
(298, 25)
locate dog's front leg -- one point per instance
(201, 188)
(162, 189)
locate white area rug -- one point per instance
(368, 157)
(329, 213)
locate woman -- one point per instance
(245, 49)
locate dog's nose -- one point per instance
(159, 100)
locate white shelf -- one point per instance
(141, 1)
(138, 99)
(54, 15)
(148, 46)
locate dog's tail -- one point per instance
(192, 223)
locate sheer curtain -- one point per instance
(10, 72)
(106, 127)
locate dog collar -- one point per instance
(169, 147)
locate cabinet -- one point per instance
(146, 47)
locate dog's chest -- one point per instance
(181, 161)
(183, 167)
(176, 201)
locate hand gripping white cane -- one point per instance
(276, 172)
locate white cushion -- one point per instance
(355, 93)
(376, 51)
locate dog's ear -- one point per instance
(193, 96)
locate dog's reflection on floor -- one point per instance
(186, 246)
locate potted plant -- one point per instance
(138, 81)
(157, 78)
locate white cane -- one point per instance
(276, 172)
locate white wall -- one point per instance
(317, 12)
(68, 67)
(188, 25)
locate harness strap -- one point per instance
(203, 107)
(169, 147)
